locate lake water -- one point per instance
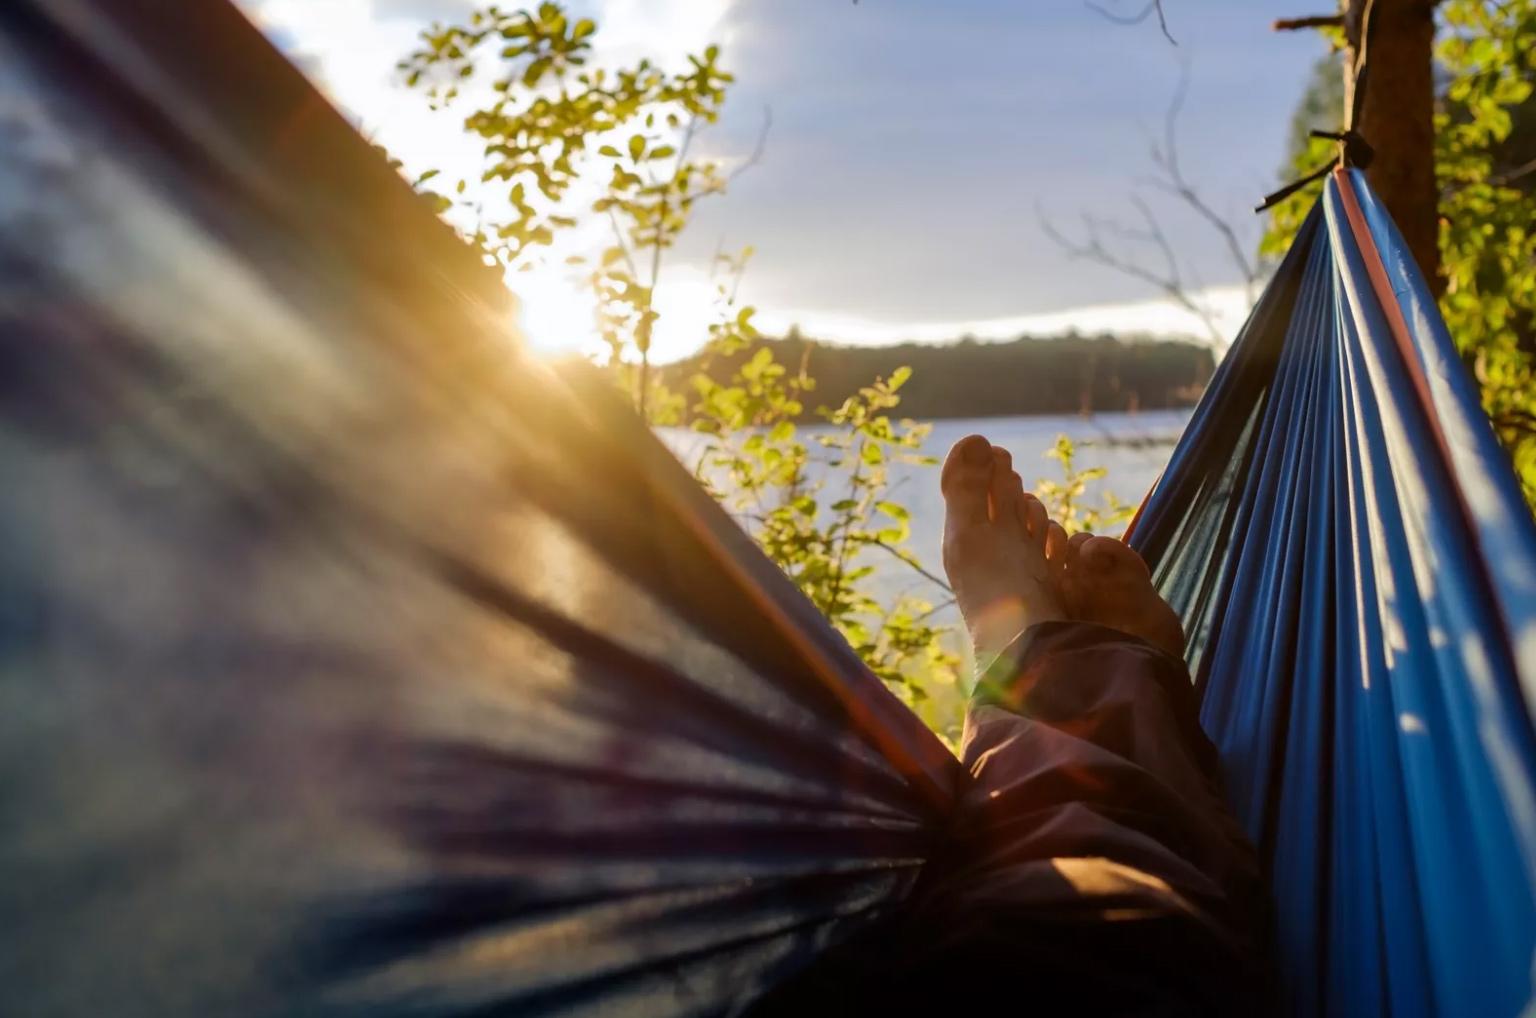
(1133, 448)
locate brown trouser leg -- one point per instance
(1091, 867)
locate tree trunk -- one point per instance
(1398, 118)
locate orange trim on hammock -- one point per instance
(923, 769)
(1387, 297)
(924, 762)
(1130, 528)
(1375, 267)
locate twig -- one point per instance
(1166, 158)
(618, 236)
(647, 319)
(1510, 176)
(758, 149)
(1170, 180)
(931, 612)
(925, 574)
(1169, 282)
(1153, 7)
(842, 551)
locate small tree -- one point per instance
(566, 143)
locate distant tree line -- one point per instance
(1070, 374)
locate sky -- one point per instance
(915, 150)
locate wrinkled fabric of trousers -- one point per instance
(1091, 867)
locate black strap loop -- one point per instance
(1354, 151)
(1270, 201)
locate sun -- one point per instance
(558, 312)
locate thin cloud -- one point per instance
(1152, 318)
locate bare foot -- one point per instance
(1106, 582)
(995, 547)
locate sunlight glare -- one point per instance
(558, 312)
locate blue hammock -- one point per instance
(1357, 569)
(333, 683)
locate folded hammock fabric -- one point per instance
(354, 664)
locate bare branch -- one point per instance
(1169, 282)
(1153, 7)
(1313, 21)
(1166, 159)
(1169, 278)
(1160, 239)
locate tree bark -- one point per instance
(1398, 118)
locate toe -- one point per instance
(967, 474)
(1107, 556)
(1007, 496)
(1037, 520)
(1057, 545)
(1075, 543)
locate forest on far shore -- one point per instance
(970, 378)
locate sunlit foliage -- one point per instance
(1067, 498)
(567, 144)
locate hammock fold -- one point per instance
(354, 663)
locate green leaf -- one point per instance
(636, 147)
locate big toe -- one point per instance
(967, 474)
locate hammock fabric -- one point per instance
(1357, 570)
(334, 683)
